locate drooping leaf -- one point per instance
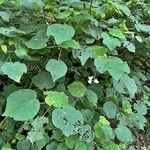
(103, 131)
(57, 99)
(23, 144)
(86, 133)
(142, 27)
(37, 42)
(129, 46)
(43, 80)
(97, 51)
(80, 146)
(110, 109)
(60, 32)
(37, 130)
(110, 42)
(14, 70)
(22, 105)
(68, 119)
(77, 89)
(126, 83)
(70, 44)
(57, 68)
(115, 66)
(116, 32)
(123, 133)
(5, 16)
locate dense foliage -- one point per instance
(74, 74)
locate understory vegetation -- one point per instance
(74, 74)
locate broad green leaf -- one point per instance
(23, 145)
(86, 133)
(14, 70)
(138, 120)
(43, 80)
(21, 102)
(141, 108)
(71, 141)
(122, 7)
(68, 119)
(110, 42)
(4, 15)
(77, 89)
(126, 83)
(37, 131)
(87, 115)
(56, 99)
(52, 146)
(1, 64)
(142, 27)
(129, 46)
(81, 146)
(115, 66)
(103, 131)
(22, 53)
(57, 68)
(10, 32)
(116, 32)
(60, 32)
(70, 44)
(2, 1)
(97, 51)
(92, 98)
(110, 110)
(123, 134)
(62, 146)
(37, 42)
(84, 56)
(30, 3)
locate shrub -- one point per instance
(74, 74)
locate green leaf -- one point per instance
(57, 68)
(97, 51)
(52, 146)
(110, 42)
(86, 133)
(4, 15)
(84, 56)
(29, 3)
(70, 44)
(103, 131)
(142, 27)
(37, 42)
(62, 146)
(60, 32)
(57, 99)
(92, 97)
(23, 145)
(68, 119)
(81, 146)
(77, 89)
(141, 108)
(123, 134)
(110, 110)
(21, 101)
(115, 66)
(14, 70)
(129, 46)
(71, 141)
(116, 32)
(126, 83)
(37, 131)
(43, 80)
(2, 1)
